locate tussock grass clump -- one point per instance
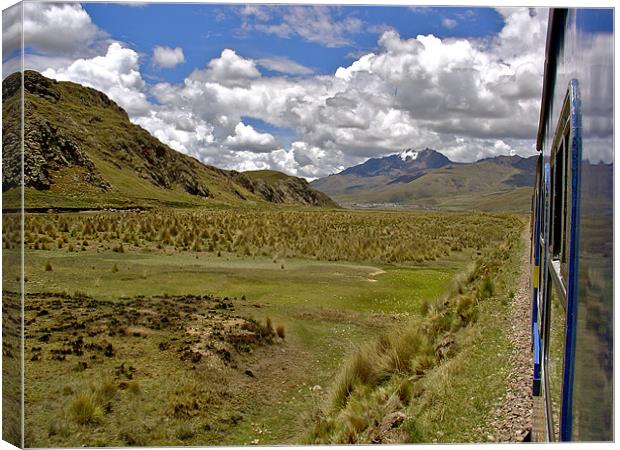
(466, 309)
(403, 352)
(48, 266)
(266, 332)
(134, 387)
(358, 371)
(185, 432)
(132, 438)
(439, 320)
(425, 307)
(89, 407)
(487, 289)
(106, 391)
(280, 331)
(85, 409)
(406, 391)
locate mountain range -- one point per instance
(427, 179)
(82, 151)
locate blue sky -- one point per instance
(204, 30)
(308, 90)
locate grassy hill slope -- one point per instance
(81, 151)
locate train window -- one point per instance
(557, 202)
(560, 177)
(561, 190)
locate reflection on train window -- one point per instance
(560, 189)
(555, 360)
(557, 176)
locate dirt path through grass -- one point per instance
(272, 395)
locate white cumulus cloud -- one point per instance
(247, 138)
(117, 73)
(167, 57)
(229, 69)
(50, 27)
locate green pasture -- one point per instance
(286, 283)
(326, 308)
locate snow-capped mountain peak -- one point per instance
(408, 154)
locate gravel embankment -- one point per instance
(513, 418)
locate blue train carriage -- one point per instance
(572, 232)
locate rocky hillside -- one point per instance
(280, 188)
(82, 151)
(427, 179)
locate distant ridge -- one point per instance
(427, 179)
(81, 151)
(399, 164)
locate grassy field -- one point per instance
(11, 335)
(232, 330)
(437, 377)
(378, 237)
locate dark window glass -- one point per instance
(557, 202)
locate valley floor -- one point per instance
(325, 310)
(163, 346)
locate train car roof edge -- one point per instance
(554, 34)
